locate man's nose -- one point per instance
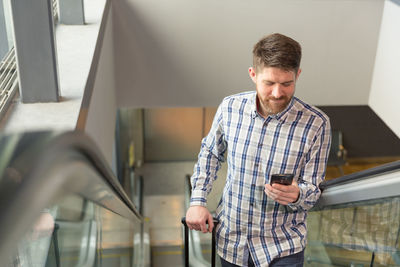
(277, 91)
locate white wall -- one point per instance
(195, 52)
(101, 111)
(385, 89)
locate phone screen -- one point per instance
(285, 179)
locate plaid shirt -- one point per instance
(297, 141)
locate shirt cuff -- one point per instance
(198, 198)
(296, 205)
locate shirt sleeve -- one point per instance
(211, 156)
(313, 173)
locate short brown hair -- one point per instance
(279, 51)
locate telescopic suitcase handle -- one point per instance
(187, 242)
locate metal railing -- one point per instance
(8, 80)
(55, 10)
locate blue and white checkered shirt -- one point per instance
(297, 141)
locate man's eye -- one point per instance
(269, 83)
(286, 84)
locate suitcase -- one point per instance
(187, 243)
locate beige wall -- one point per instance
(193, 53)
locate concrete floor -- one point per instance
(75, 47)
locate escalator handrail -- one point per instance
(392, 166)
(44, 166)
(53, 145)
(371, 185)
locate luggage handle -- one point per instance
(183, 220)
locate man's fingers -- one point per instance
(190, 226)
(210, 223)
(195, 227)
(281, 196)
(283, 188)
(287, 197)
(203, 227)
(196, 218)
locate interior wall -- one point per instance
(101, 111)
(193, 53)
(364, 134)
(385, 87)
(174, 134)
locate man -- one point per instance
(263, 133)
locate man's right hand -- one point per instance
(196, 218)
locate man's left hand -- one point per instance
(283, 194)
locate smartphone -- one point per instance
(285, 179)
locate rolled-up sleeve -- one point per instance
(314, 170)
(211, 156)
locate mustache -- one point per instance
(277, 99)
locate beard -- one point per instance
(273, 105)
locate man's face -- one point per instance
(275, 88)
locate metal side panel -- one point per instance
(374, 187)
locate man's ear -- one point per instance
(253, 74)
(298, 74)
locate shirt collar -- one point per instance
(281, 116)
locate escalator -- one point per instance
(356, 222)
(61, 205)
